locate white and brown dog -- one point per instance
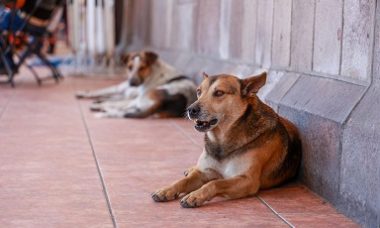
(153, 88)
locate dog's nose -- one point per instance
(194, 111)
(134, 81)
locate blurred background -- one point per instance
(323, 59)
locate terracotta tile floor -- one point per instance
(61, 167)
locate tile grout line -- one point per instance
(6, 106)
(105, 192)
(275, 212)
(2, 111)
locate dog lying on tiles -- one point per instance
(247, 145)
(153, 88)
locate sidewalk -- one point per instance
(61, 167)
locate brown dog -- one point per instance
(247, 145)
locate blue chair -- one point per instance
(13, 22)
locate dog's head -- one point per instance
(139, 66)
(222, 99)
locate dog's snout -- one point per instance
(194, 111)
(134, 81)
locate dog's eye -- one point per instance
(218, 93)
(199, 92)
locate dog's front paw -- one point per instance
(96, 107)
(164, 195)
(99, 101)
(101, 115)
(82, 94)
(193, 199)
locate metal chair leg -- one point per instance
(9, 70)
(56, 74)
(31, 69)
(39, 81)
(10, 80)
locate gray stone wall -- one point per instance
(323, 61)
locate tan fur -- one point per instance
(247, 145)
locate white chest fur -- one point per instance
(230, 167)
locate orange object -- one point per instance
(19, 4)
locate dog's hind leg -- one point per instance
(120, 105)
(141, 112)
(232, 188)
(145, 106)
(109, 113)
(194, 180)
(160, 102)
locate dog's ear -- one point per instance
(204, 75)
(252, 84)
(150, 57)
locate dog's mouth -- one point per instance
(204, 126)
